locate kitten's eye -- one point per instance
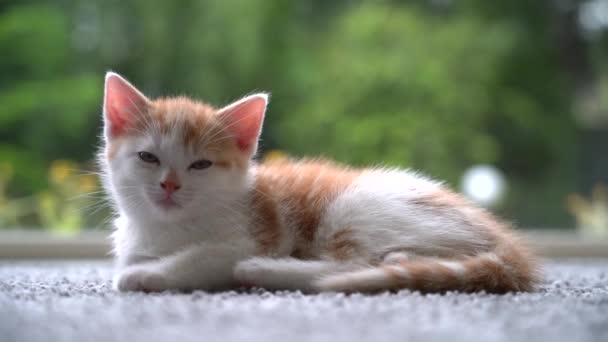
(148, 157)
(200, 164)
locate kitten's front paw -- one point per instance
(251, 272)
(138, 279)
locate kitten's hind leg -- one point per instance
(397, 257)
(287, 273)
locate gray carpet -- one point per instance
(72, 301)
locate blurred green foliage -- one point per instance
(433, 85)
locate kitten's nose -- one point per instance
(170, 186)
(171, 182)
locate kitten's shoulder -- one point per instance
(317, 166)
(333, 174)
(302, 165)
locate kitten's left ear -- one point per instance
(243, 119)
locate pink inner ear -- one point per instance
(122, 104)
(244, 120)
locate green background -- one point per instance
(432, 85)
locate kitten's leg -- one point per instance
(287, 273)
(397, 257)
(202, 266)
(132, 259)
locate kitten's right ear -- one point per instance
(122, 104)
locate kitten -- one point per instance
(195, 212)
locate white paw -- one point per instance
(140, 279)
(395, 258)
(251, 272)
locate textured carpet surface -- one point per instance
(72, 301)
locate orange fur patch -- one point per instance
(223, 163)
(431, 276)
(306, 188)
(266, 228)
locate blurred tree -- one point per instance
(45, 107)
(400, 86)
(435, 85)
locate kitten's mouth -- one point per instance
(168, 203)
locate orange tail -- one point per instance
(488, 272)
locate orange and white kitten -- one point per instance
(195, 212)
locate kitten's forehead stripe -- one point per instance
(195, 124)
(195, 119)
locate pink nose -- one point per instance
(170, 186)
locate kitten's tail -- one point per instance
(493, 272)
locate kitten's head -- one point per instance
(175, 157)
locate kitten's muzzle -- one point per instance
(170, 186)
